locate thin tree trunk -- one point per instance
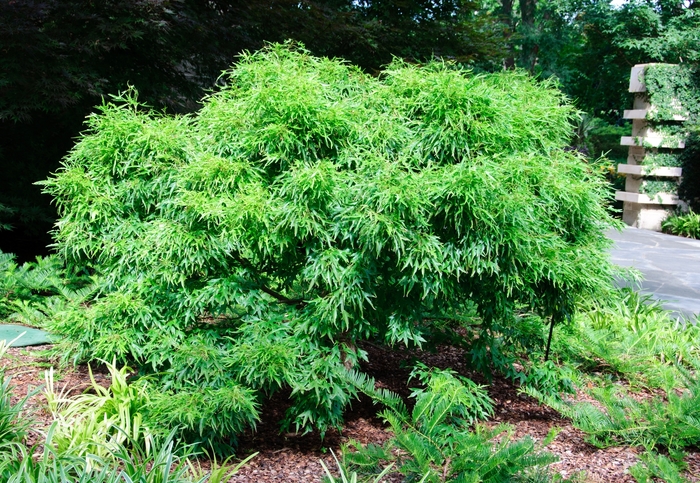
(507, 20)
(530, 48)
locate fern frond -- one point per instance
(367, 385)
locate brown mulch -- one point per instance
(292, 457)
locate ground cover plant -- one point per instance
(86, 444)
(307, 207)
(28, 292)
(683, 224)
(438, 440)
(621, 348)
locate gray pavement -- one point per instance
(669, 264)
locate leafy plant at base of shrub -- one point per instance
(218, 472)
(655, 467)
(13, 427)
(98, 421)
(352, 477)
(549, 378)
(338, 206)
(204, 415)
(632, 337)
(637, 340)
(653, 423)
(685, 224)
(434, 443)
(124, 464)
(104, 453)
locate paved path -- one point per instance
(670, 265)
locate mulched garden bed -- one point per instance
(296, 458)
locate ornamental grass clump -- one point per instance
(307, 207)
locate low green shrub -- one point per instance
(687, 225)
(203, 414)
(352, 476)
(655, 467)
(161, 464)
(671, 422)
(32, 292)
(308, 207)
(637, 342)
(13, 427)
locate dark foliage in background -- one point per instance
(59, 58)
(689, 189)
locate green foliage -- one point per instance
(683, 224)
(433, 442)
(84, 445)
(4, 212)
(655, 467)
(689, 189)
(123, 465)
(675, 89)
(132, 414)
(600, 142)
(670, 137)
(99, 420)
(641, 344)
(61, 54)
(604, 140)
(676, 38)
(13, 427)
(629, 337)
(590, 46)
(204, 414)
(351, 476)
(307, 207)
(61, 57)
(671, 91)
(652, 187)
(32, 291)
(579, 43)
(549, 379)
(657, 160)
(672, 422)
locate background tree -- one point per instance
(590, 46)
(60, 58)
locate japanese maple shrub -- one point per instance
(308, 207)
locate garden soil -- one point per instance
(289, 457)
